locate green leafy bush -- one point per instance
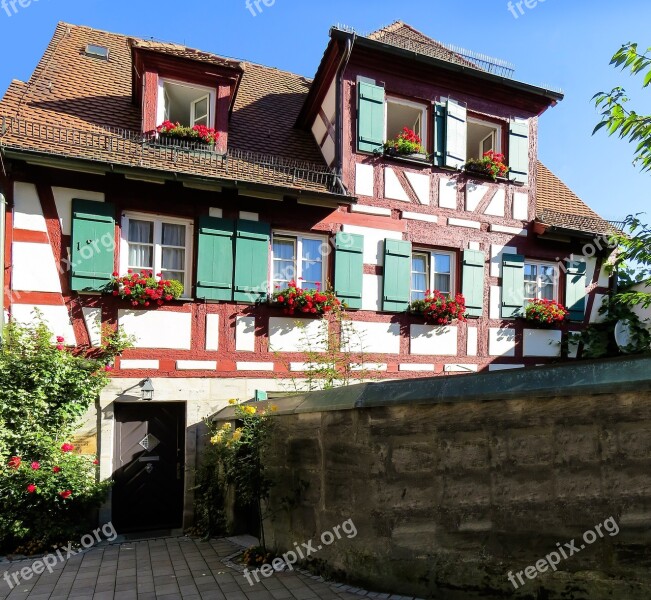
(46, 489)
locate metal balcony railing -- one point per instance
(135, 149)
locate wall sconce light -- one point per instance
(147, 389)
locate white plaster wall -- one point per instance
(392, 187)
(373, 242)
(328, 150)
(212, 332)
(496, 205)
(373, 338)
(447, 193)
(34, 268)
(93, 322)
(494, 302)
(433, 340)
(245, 334)
(364, 180)
(297, 335)
(501, 342)
(542, 342)
(157, 328)
(595, 317)
(28, 213)
(521, 206)
(472, 341)
(63, 198)
(475, 193)
(55, 317)
(420, 184)
(372, 292)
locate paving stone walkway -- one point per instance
(165, 569)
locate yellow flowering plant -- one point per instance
(235, 459)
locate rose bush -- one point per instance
(47, 490)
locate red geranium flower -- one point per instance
(56, 469)
(14, 462)
(35, 466)
(67, 447)
(31, 488)
(65, 494)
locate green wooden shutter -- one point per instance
(473, 282)
(370, 117)
(215, 259)
(251, 260)
(456, 134)
(512, 285)
(519, 151)
(575, 283)
(349, 268)
(93, 245)
(397, 276)
(439, 135)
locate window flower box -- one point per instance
(545, 314)
(440, 309)
(491, 166)
(407, 145)
(145, 290)
(198, 137)
(296, 301)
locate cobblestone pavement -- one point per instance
(165, 569)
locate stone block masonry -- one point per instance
(453, 483)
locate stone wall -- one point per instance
(453, 483)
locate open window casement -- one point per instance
(200, 111)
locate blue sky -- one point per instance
(561, 43)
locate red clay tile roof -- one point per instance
(185, 52)
(70, 92)
(405, 36)
(557, 205)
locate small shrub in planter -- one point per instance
(491, 164)
(440, 309)
(545, 313)
(407, 143)
(295, 300)
(143, 289)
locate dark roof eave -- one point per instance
(103, 167)
(550, 95)
(576, 233)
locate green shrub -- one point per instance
(46, 489)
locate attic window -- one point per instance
(186, 104)
(482, 137)
(95, 51)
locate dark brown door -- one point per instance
(149, 466)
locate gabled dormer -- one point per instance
(183, 85)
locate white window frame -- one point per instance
(158, 220)
(412, 104)
(542, 263)
(162, 109)
(298, 246)
(193, 113)
(431, 273)
(498, 134)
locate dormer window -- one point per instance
(186, 104)
(405, 113)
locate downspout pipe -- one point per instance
(3, 209)
(339, 142)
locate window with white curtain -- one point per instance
(540, 281)
(431, 270)
(299, 258)
(158, 244)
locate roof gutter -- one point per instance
(364, 42)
